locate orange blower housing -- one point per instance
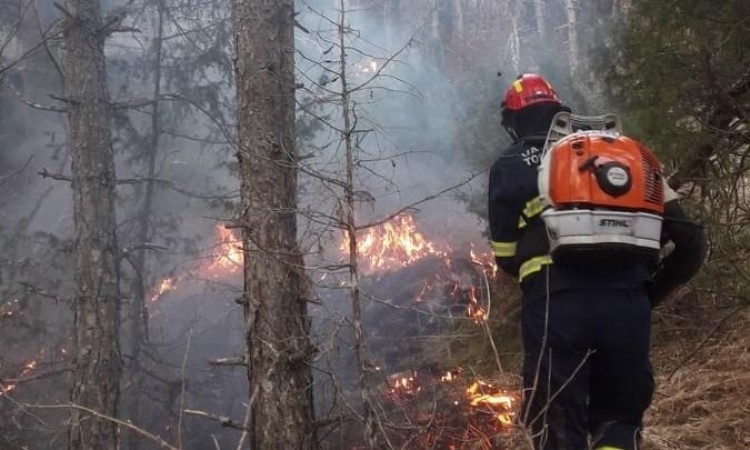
(605, 198)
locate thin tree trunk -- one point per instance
(96, 357)
(539, 17)
(573, 53)
(515, 36)
(138, 314)
(351, 229)
(274, 297)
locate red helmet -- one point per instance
(529, 89)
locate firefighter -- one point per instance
(586, 332)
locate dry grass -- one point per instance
(705, 404)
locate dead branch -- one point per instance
(32, 104)
(44, 173)
(151, 437)
(223, 420)
(45, 42)
(41, 292)
(28, 161)
(413, 205)
(234, 361)
(703, 342)
(719, 117)
(55, 176)
(36, 376)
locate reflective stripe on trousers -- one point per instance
(533, 265)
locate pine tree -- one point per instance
(96, 357)
(274, 298)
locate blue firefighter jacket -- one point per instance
(518, 235)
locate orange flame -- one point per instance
(499, 402)
(403, 385)
(166, 285)
(393, 245)
(28, 367)
(486, 261)
(227, 258)
(475, 311)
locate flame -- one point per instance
(166, 285)
(485, 261)
(475, 311)
(448, 377)
(29, 366)
(227, 258)
(403, 385)
(455, 410)
(497, 401)
(393, 245)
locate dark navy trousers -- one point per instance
(586, 367)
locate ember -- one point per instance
(28, 367)
(450, 410)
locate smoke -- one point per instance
(424, 74)
(405, 107)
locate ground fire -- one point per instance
(420, 288)
(427, 281)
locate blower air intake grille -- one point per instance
(654, 189)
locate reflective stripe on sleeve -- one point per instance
(533, 265)
(521, 223)
(504, 249)
(533, 208)
(609, 447)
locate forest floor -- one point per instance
(702, 398)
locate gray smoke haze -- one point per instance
(406, 114)
(437, 64)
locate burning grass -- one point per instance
(455, 410)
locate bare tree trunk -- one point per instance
(514, 41)
(539, 17)
(573, 53)
(96, 357)
(351, 230)
(274, 297)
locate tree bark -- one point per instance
(274, 296)
(96, 357)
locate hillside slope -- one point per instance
(702, 400)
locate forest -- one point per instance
(262, 224)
